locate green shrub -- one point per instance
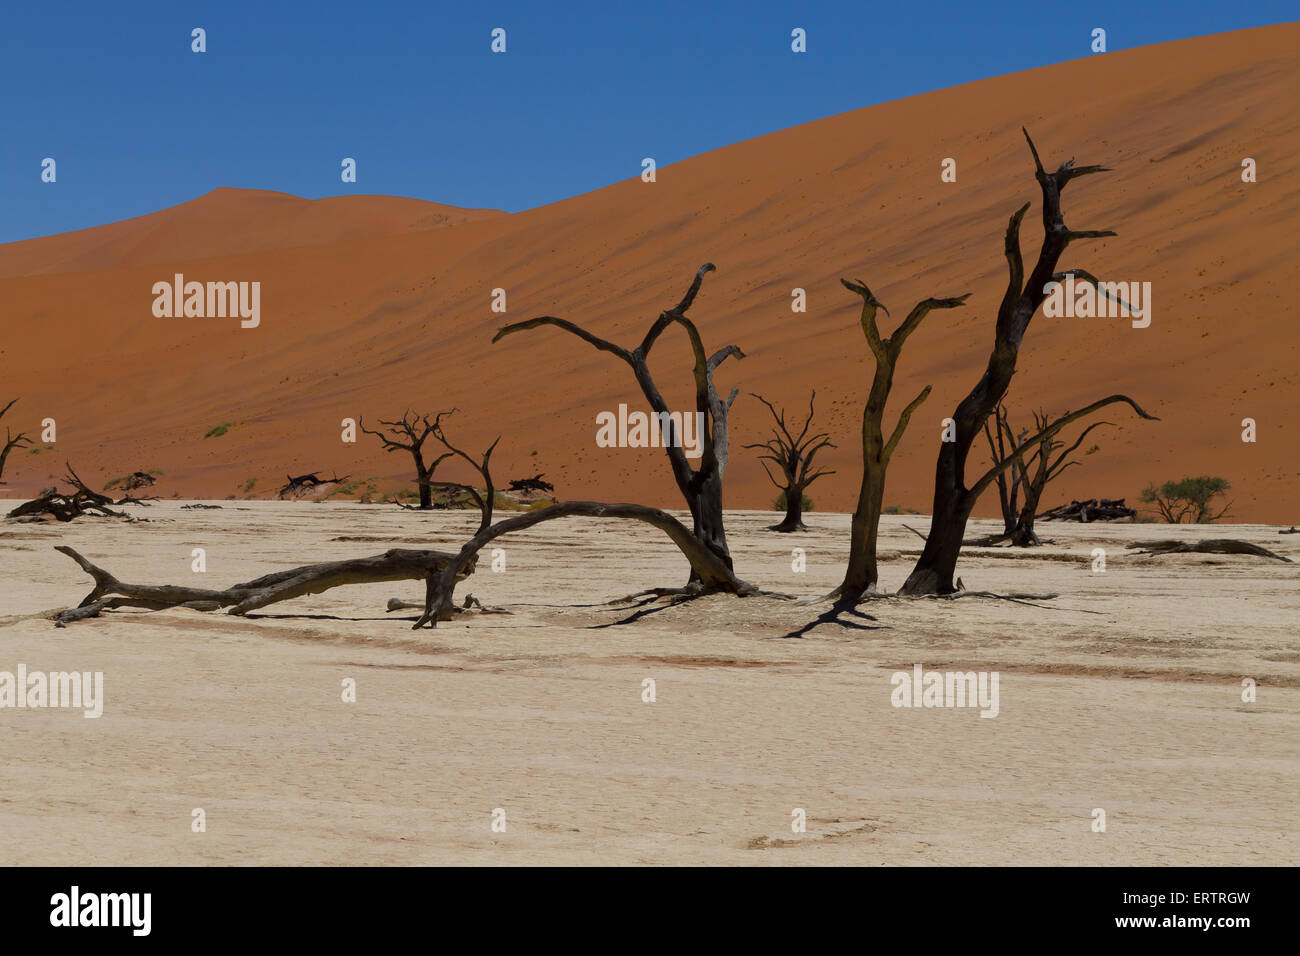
(1191, 498)
(779, 504)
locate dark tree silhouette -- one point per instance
(299, 485)
(138, 479)
(535, 483)
(408, 434)
(439, 569)
(794, 455)
(1002, 443)
(81, 501)
(12, 441)
(1039, 469)
(862, 575)
(953, 500)
(396, 565)
(702, 486)
(487, 499)
(710, 573)
(1029, 472)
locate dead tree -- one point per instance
(532, 484)
(1030, 471)
(953, 500)
(862, 574)
(1106, 509)
(409, 434)
(1205, 546)
(138, 479)
(84, 490)
(81, 501)
(702, 486)
(794, 455)
(302, 484)
(1038, 470)
(1003, 442)
(12, 441)
(61, 507)
(396, 565)
(710, 573)
(487, 499)
(440, 570)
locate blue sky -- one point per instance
(137, 122)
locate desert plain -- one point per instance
(1124, 694)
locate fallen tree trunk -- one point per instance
(399, 564)
(1206, 546)
(1091, 510)
(709, 571)
(534, 483)
(68, 507)
(300, 485)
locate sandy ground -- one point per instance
(1123, 694)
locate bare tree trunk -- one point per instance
(1009, 482)
(416, 431)
(1022, 535)
(702, 487)
(422, 476)
(12, 441)
(710, 572)
(1035, 471)
(793, 520)
(399, 564)
(794, 455)
(862, 576)
(934, 570)
(953, 501)
(707, 515)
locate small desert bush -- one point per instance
(779, 504)
(1191, 498)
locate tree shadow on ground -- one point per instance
(647, 605)
(837, 614)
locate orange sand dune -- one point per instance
(366, 311)
(229, 222)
